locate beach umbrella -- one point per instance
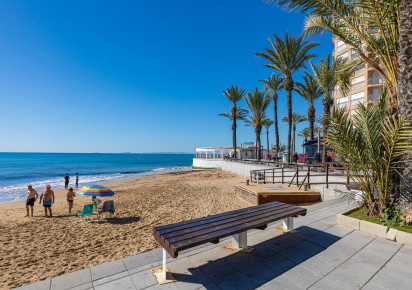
(95, 190)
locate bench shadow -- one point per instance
(269, 260)
(119, 220)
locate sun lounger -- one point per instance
(184, 235)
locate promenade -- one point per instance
(322, 255)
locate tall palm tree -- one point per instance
(310, 91)
(329, 74)
(234, 95)
(288, 56)
(275, 84)
(405, 92)
(296, 119)
(371, 27)
(257, 102)
(267, 123)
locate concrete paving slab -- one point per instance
(237, 281)
(107, 269)
(110, 278)
(218, 269)
(325, 284)
(302, 276)
(71, 280)
(195, 279)
(41, 285)
(281, 282)
(143, 279)
(124, 283)
(139, 260)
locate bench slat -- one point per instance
(224, 222)
(165, 228)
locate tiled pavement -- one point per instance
(322, 255)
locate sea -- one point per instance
(18, 170)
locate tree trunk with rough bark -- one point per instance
(288, 85)
(327, 102)
(267, 138)
(258, 144)
(275, 107)
(234, 111)
(311, 119)
(405, 95)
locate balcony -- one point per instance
(375, 80)
(358, 85)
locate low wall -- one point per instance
(242, 168)
(207, 163)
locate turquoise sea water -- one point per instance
(17, 170)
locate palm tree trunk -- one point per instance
(327, 102)
(288, 85)
(311, 119)
(405, 95)
(267, 139)
(294, 139)
(258, 131)
(234, 109)
(275, 107)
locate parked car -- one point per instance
(302, 157)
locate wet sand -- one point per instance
(33, 249)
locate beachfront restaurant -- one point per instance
(246, 150)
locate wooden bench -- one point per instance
(184, 235)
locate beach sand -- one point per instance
(33, 249)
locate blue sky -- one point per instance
(133, 76)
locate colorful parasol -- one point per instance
(95, 190)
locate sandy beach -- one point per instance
(38, 248)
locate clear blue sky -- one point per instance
(133, 76)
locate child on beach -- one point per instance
(32, 195)
(70, 199)
(48, 198)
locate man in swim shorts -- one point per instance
(48, 198)
(66, 181)
(32, 195)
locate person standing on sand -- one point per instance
(48, 198)
(77, 180)
(32, 195)
(66, 181)
(70, 199)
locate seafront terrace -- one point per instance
(322, 255)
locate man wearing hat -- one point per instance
(48, 198)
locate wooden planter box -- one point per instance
(373, 229)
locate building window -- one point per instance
(357, 98)
(354, 54)
(375, 79)
(359, 69)
(341, 45)
(358, 82)
(376, 92)
(343, 56)
(342, 102)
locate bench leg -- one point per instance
(288, 224)
(164, 264)
(239, 243)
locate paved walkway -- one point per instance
(322, 255)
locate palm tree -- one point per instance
(310, 91)
(329, 74)
(405, 92)
(234, 95)
(282, 148)
(378, 143)
(371, 27)
(296, 119)
(267, 123)
(288, 56)
(257, 102)
(275, 84)
(305, 134)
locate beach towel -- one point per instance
(108, 206)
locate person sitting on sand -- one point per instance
(32, 195)
(48, 198)
(70, 199)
